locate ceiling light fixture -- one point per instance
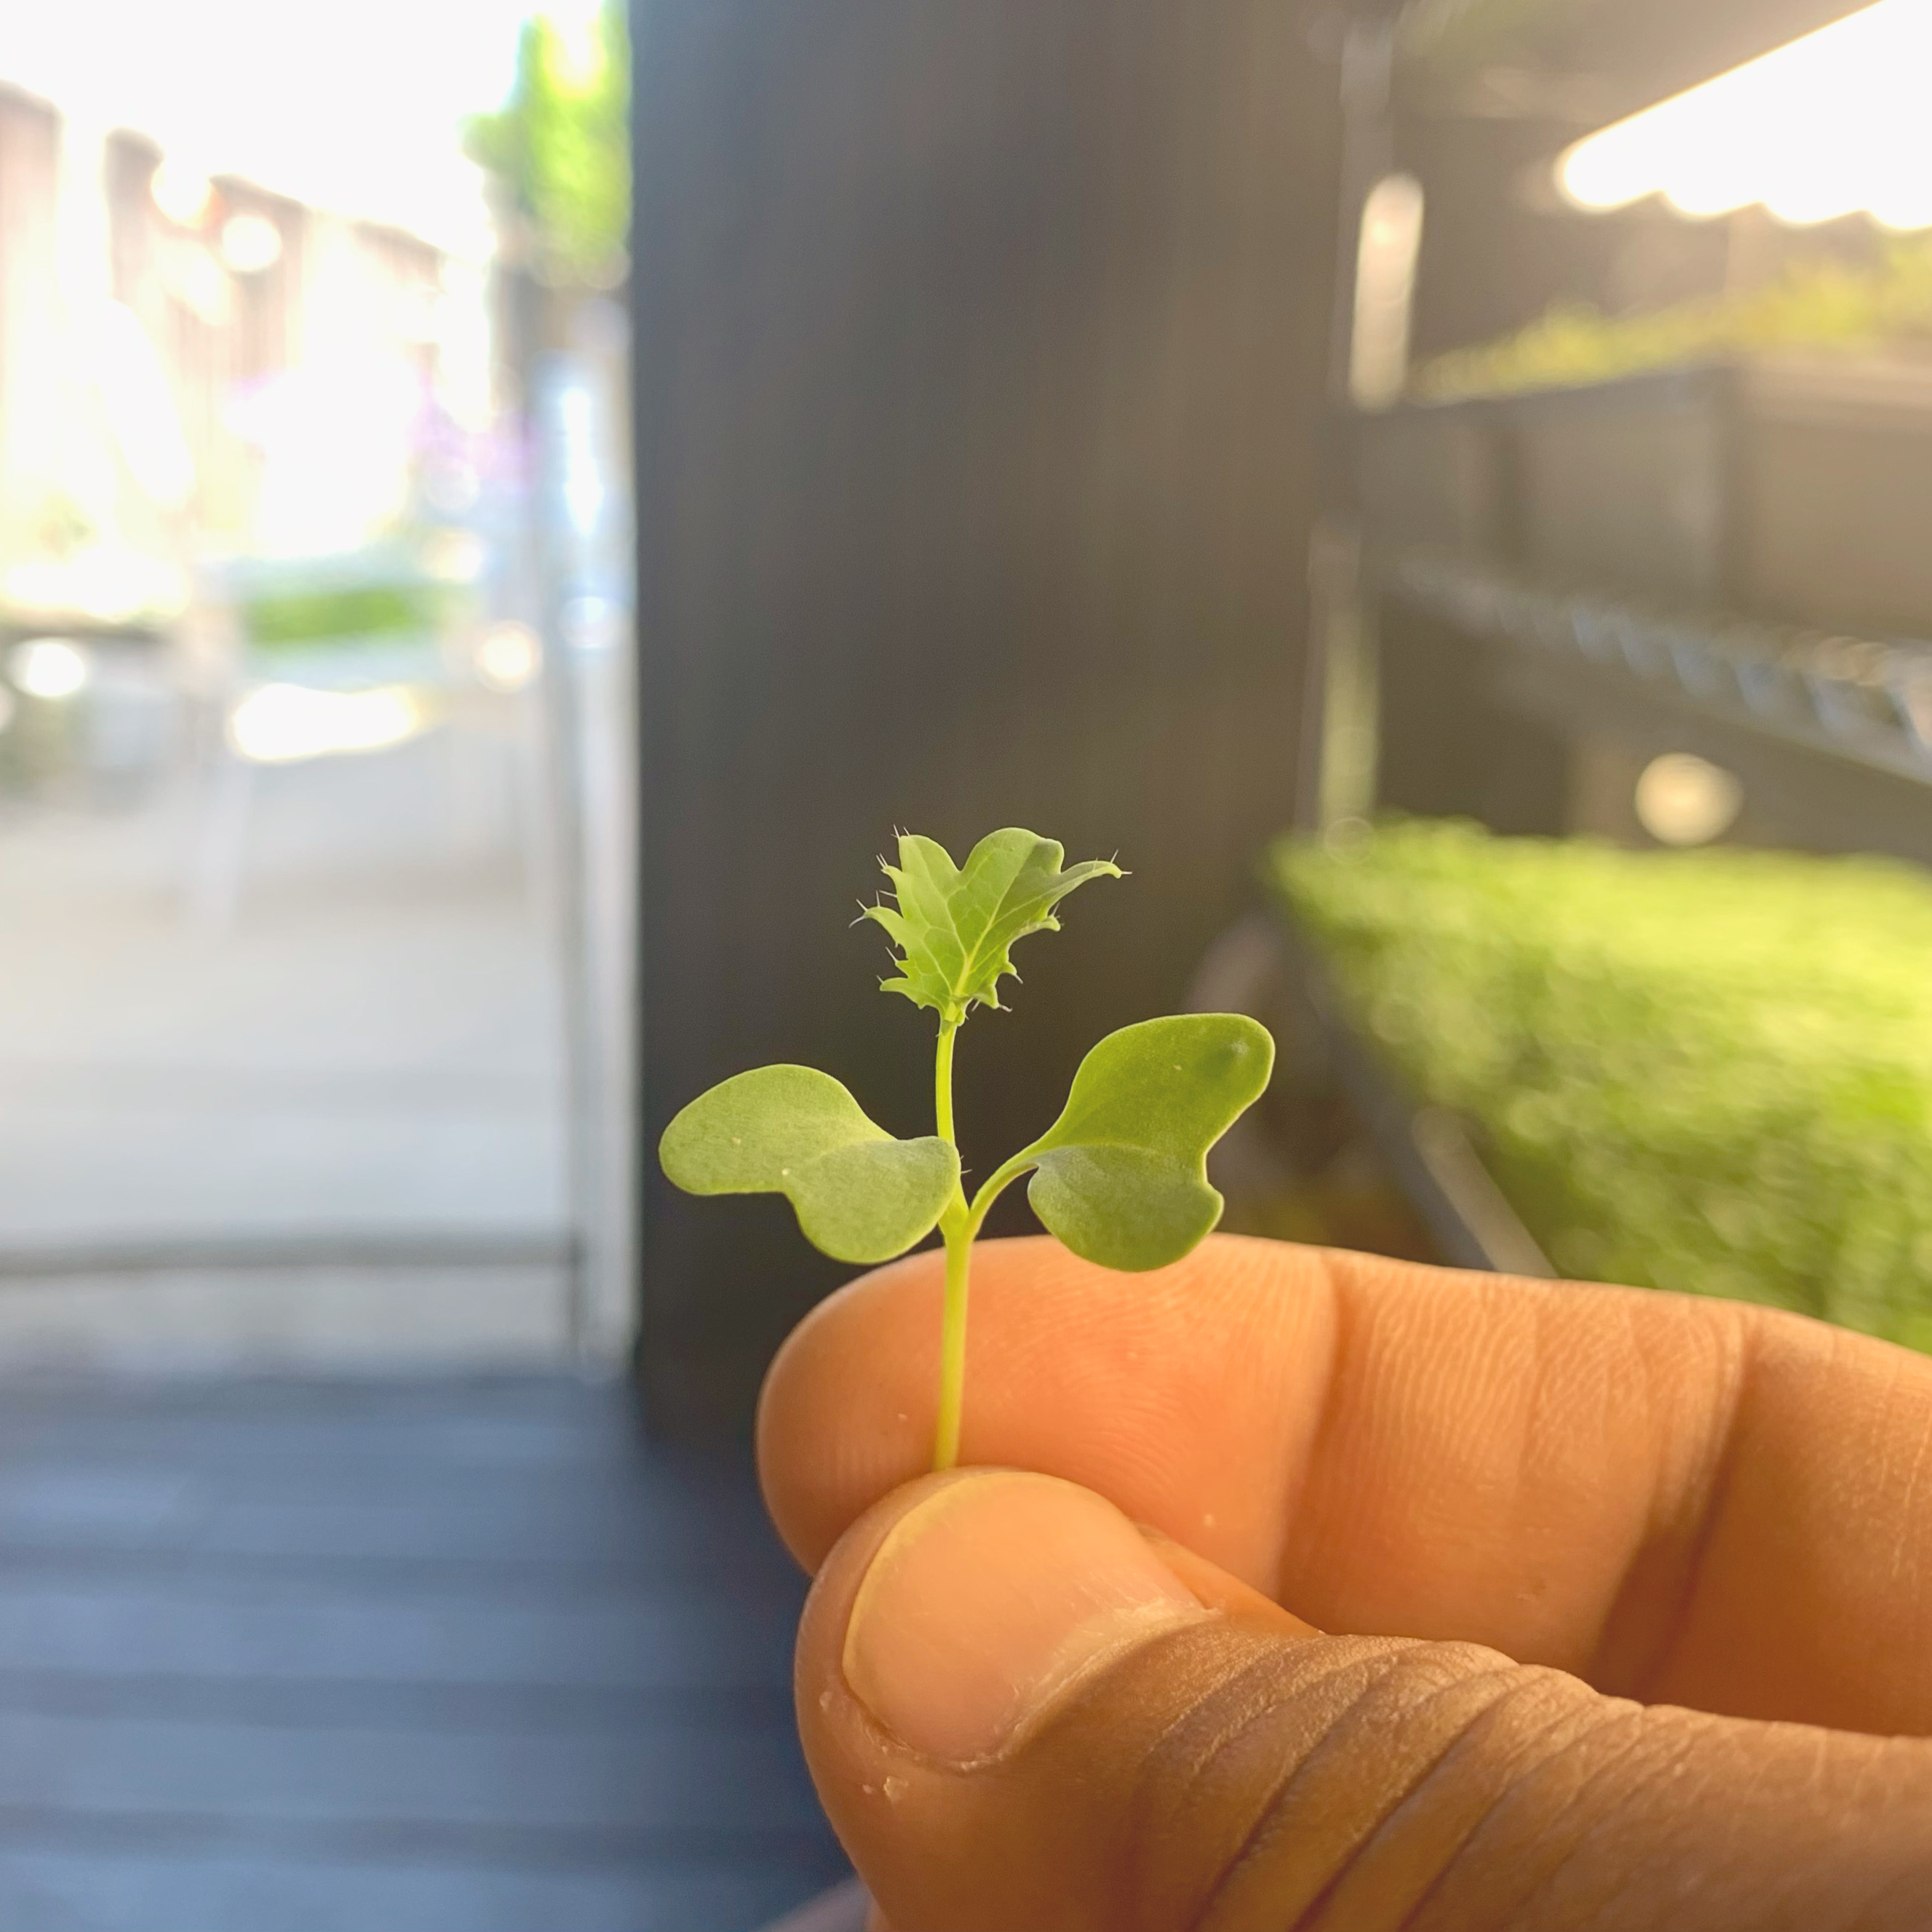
(1829, 125)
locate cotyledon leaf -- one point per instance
(860, 1195)
(1122, 1177)
(955, 925)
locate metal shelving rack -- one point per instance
(1649, 560)
(1864, 701)
(1732, 551)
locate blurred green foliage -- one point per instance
(561, 144)
(304, 616)
(1816, 304)
(1708, 1071)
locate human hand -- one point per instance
(1635, 1592)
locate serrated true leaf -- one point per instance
(860, 1195)
(1122, 1175)
(955, 926)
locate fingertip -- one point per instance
(960, 1617)
(837, 1417)
(989, 1599)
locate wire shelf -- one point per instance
(1864, 700)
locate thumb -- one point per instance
(1020, 1715)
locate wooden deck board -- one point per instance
(404, 1655)
(52, 1892)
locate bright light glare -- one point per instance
(250, 243)
(106, 580)
(278, 724)
(335, 436)
(48, 667)
(1683, 800)
(181, 193)
(1829, 125)
(509, 657)
(354, 108)
(454, 556)
(140, 401)
(576, 24)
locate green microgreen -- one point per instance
(1121, 1177)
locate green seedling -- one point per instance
(1121, 1177)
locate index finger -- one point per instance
(1679, 1499)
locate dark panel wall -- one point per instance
(978, 351)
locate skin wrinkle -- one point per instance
(1342, 1282)
(1376, 1404)
(1272, 1797)
(1688, 1776)
(1548, 1370)
(1635, 1390)
(1757, 1387)
(1274, 1819)
(1519, 1791)
(1708, 1489)
(1233, 1691)
(1675, 1476)
(1880, 1771)
(1578, 1712)
(1821, 1760)
(1320, 1310)
(1328, 1409)
(1245, 1705)
(1233, 1713)
(1698, 1788)
(1900, 1568)
(1613, 1714)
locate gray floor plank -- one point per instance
(45, 1891)
(381, 1704)
(443, 1399)
(669, 1778)
(74, 1508)
(285, 1629)
(401, 1655)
